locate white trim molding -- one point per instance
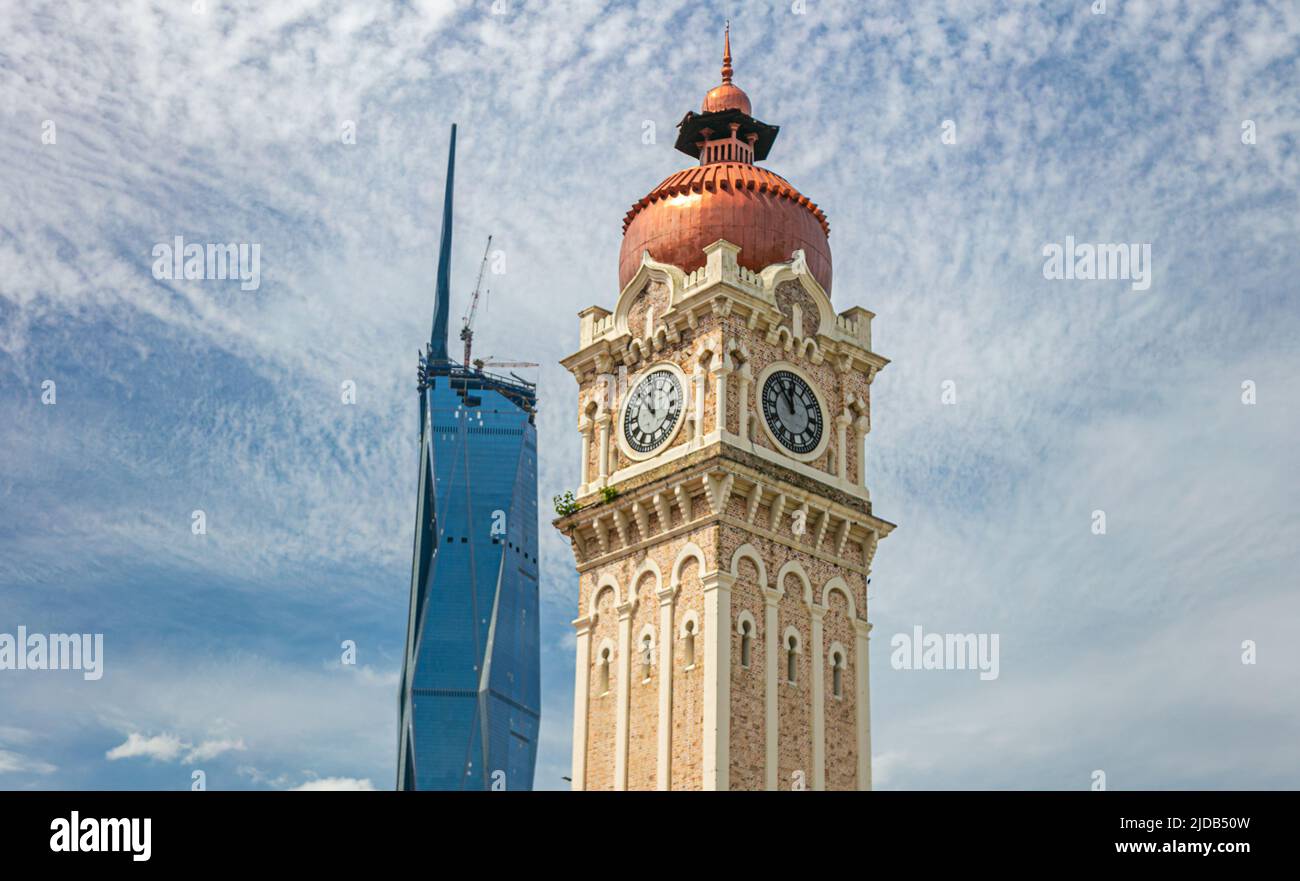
(862, 674)
(606, 582)
(771, 692)
(625, 611)
(607, 645)
(794, 567)
(791, 631)
(689, 550)
(692, 617)
(647, 631)
(840, 586)
(837, 648)
(647, 565)
(746, 615)
(818, 698)
(581, 700)
(748, 552)
(664, 733)
(717, 681)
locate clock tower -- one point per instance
(722, 528)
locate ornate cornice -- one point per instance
(673, 502)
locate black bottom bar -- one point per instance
(331, 831)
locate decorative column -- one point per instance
(581, 696)
(720, 367)
(862, 676)
(819, 699)
(717, 680)
(862, 424)
(603, 465)
(624, 687)
(697, 379)
(585, 427)
(771, 663)
(841, 445)
(667, 633)
(742, 400)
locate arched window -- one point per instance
(837, 674)
(746, 640)
(647, 656)
(604, 670)
(792, 660)
(688, 644)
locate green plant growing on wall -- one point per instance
(609, 493)
(564, 504)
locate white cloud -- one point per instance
(170, 747)
(159, 747)
(13, 735)
(277, 717)
(16, 763)
(210, 749)
(386, 679)
(340, 784)
(886, 766)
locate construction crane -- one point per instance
(467, 324)
(480, 363)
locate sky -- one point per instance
(948, 143)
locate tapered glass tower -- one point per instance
(470, 698)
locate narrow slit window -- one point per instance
(647, 657)
(604, 671)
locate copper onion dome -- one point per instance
(725, 197)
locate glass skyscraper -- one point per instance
(470, 698)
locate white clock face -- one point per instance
(792, 412)
(652, 411)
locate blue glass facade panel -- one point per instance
(471, 688)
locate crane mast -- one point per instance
(467, 324)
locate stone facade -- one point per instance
(720, 564)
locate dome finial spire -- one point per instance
(726, 53)
(728, 95)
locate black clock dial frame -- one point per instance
(653, 410)
(792, 412)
